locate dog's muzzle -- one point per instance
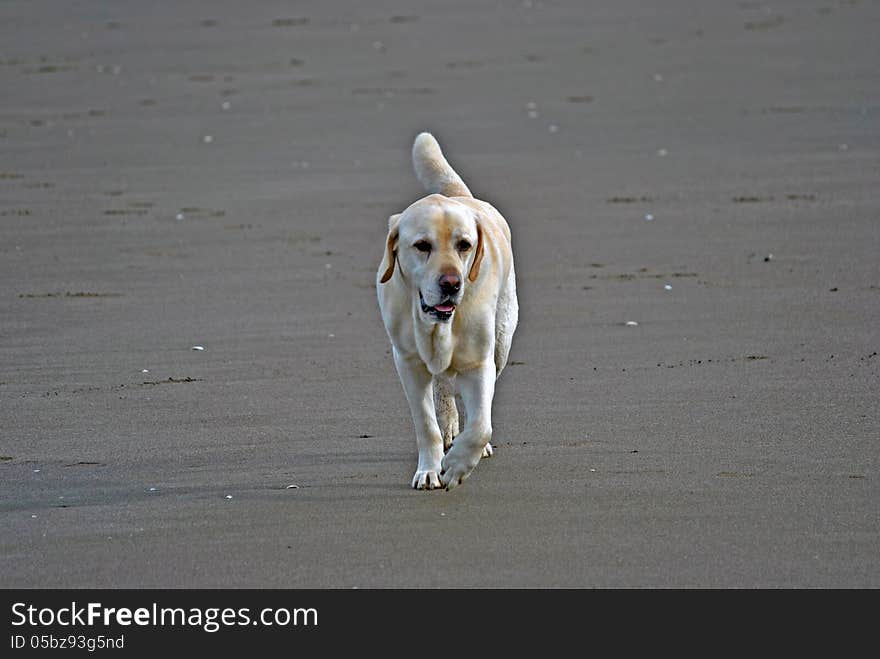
(442, 311)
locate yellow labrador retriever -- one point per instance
(447, 294)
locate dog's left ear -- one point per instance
(390, 248)
(474, 272)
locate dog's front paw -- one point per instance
(428, 479)
(458, 464)
(487, 450)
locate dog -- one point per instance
(447, 295)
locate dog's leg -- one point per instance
(450, 411)
(444, 404)
(488, 451)
(416, 382)
(477, 389)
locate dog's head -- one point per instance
(437, 247)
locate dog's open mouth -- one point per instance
(442, 311)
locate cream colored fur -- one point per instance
(439, 354)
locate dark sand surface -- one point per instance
(730, 439)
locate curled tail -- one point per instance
(433, 171)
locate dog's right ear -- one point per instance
(390, 248)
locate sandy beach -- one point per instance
(219, 176)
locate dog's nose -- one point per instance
(450, 283)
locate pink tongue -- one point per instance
(445, 308)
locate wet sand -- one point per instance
(220, 175)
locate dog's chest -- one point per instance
(436, 347)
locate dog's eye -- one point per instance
(463, 245)
(423, 246)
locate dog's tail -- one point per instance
(433, 171)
